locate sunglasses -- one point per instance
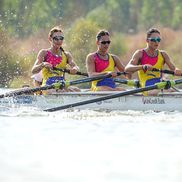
(155, 39)
(105, 42)
(56, 38)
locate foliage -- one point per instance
(9, 62)
(177, 17)
(118, 45)
(100, 20)
(81, 40)
(22, 19)
(25, 17)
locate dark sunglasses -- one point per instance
(105, 42)
(155, 39)
(56, 38)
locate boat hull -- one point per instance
(165, 102)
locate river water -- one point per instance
(90, 146)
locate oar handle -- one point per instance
(83, 74)
(68, 71)
(132, 83)
(164, 71)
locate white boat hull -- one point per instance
(166, 102)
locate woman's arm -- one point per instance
(133, 64)
(72, 64)
(39, 63)
(170, 64)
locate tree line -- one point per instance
(81, 20)
(25, 17)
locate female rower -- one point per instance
(54, 56)
(102, 63)
(146, 59)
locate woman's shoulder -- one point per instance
(92, 54)
(113, 55)
(162, 51)
(139, 52)
(44, 51)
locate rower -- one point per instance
(55, 56)
(102, 63)
(149, 58)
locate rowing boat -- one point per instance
(164, 102)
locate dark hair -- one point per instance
(102, 33)
(151, 31)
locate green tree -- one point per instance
(177, 16)
(9, 62)
(118, 44)
(81, 40)
(135, 10)
(100, 16)
(119, 14)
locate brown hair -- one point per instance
(55, 29)
(102, 33)
(151, 31)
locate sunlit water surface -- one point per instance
(90, 146)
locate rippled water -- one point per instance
(87, 146)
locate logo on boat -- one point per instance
(104, 101)
(17, 100)
(23, 100)
(150, 100)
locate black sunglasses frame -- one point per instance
(105, 42)
(56, 38)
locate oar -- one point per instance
(90, 79)
(122, 81)
(164, 71)
(133, 83)
(58, 85)
(159, 85)
(68, 71)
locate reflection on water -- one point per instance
(87, 146)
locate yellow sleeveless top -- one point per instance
(56, 61)
(102, 66)
(149, 77)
